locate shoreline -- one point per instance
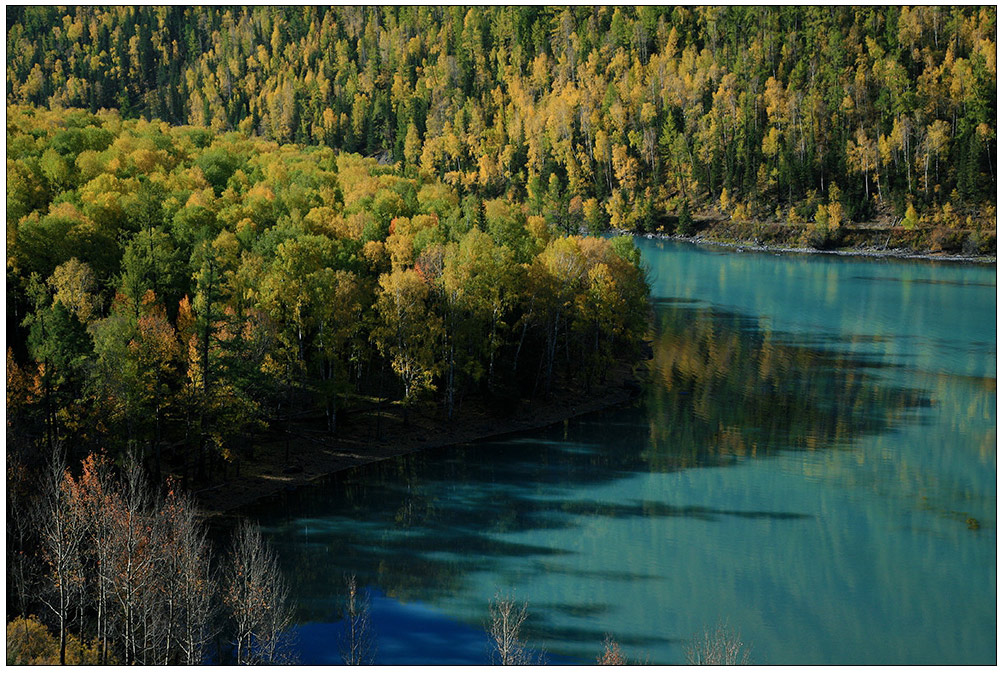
(319, 455)
(872, 253)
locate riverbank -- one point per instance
(973, 242)
(896, 253)
(779, 238)
(371, 435)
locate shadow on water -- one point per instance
(660, 509)
(928, 281)
(421, 526)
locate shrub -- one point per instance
(30, 643)
(815, 236)
(721, 647)
(611, 654)
(910, 218)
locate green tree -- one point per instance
(406, 331)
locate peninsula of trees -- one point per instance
(634, 118)
(174, 295)
(172, 286)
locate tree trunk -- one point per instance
(449, 384)
(552, 346)
(909, 164)
(62, 623)
(927, 184)
(990, 164)
(289, 414)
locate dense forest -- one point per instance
(170, 286)
(602, 116)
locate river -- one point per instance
(813, 461)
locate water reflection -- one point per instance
(816, 436)
(888, 308)
(722, 386)
(930, 281)
(410, 634)
(431, 527)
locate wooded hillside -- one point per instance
(600, 115)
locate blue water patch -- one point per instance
(406, 634)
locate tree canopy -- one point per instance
(192, 299)
(618, 114)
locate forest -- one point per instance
(221, 221)
(630, 118)
(174, 294)
(171, 286)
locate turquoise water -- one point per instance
(813, 461)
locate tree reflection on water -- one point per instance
(724, 387)
(721, 389)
